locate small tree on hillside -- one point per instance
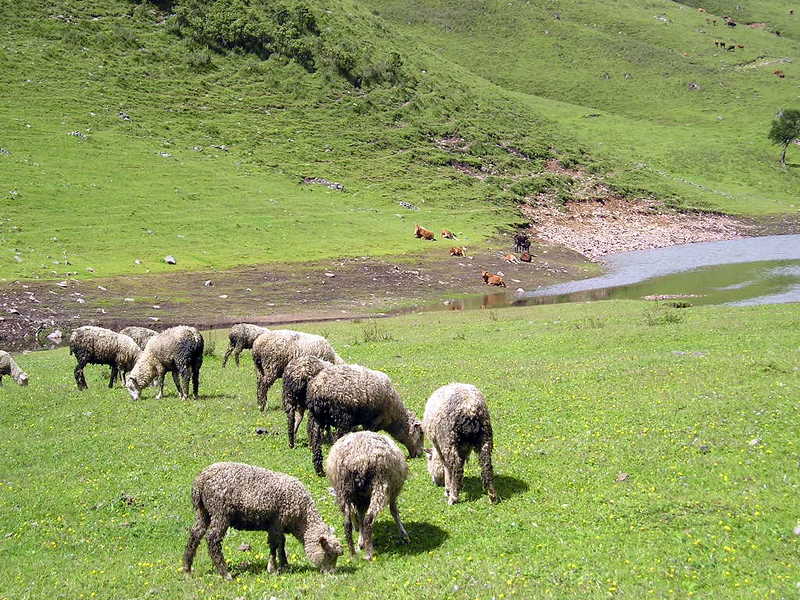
(785, 130)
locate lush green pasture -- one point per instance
(697, 406)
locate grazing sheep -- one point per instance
(423, 233)
(178, 350)
(491, 279)
(241, 337)
(446, 233)
(457, 422)
(8, 366)
(525, 257)
(273, 350)
(522, 242)
(346, 396)
(100, 346)
(140, 335)
(367, 471)
(250, 498)
(458, 251)
(296, 376)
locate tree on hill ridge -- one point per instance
(785, 130)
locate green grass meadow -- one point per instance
(697, 406)
(603, 87)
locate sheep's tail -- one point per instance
(470, 429)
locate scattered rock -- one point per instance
(127, 299)
(245, 548)
(407, 205)
(78, 134)
(330, 274)
(261, 431)
(165, 155)
(622, 477)
(704, 449)
(137, 262)
(80, 301)
(208, 283)
(223, 296)
(56, 336)
(170, 260)
(124, 116)
(101, 288)
(90, 269)
(322, 181)
(692, 86)
(754, 442)
(62, 284)
(222, 147)
(154, 318)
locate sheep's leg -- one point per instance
(456, 479)
(160, 384)
(396, 515)
(487, 472)
(195, 379)
(195, 536)
(277, 553)
(264, 383)
(185, 374)
(376, 504)
(292, 424)
(315, 443)
(80, 380)
(176, 379)
(349, 519)
(1, 381)
(216, 533)
(299, 412)
(236, 354)
(113, 377)
(227, 354)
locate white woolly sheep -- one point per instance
(456, 420)
(346, 396)
(8, 366)
(367, 471)
(250, 498)
(178, 350)
(100, 346)
(140, 335)
(295, 378)
(241, 337)
(273, 350)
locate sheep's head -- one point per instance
(435, 466)
(415, 437)
(324, 550)
(133, 387)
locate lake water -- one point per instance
(761, 270)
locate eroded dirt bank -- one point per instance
(270, 294)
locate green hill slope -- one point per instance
(192, 135)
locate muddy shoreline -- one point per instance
(347, 288)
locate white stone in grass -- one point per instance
(127, 299)
(796, 529)
(170, 260)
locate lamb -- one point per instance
(295, 377)
(525, 257)
(345, 396)
(140, 335)
(423, 233)
(8, 366)
(249, 498)
(100, 346)
(273, 350)
(456, 420)
(241, 337)
(177, 349)
(367, 471)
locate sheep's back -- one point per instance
(458, 413)
(176, 344)
(250, 495)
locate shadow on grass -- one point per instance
(424, 537)
(259, 567)
(505, 485)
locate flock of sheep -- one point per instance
(366, 469)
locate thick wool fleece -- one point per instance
(99, 346)
(251, 498)
(178, 350)
(456, 420)
(241, 337)
(367, 471)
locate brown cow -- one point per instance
(446, 233)
(510, 258)
(458, 251)
(425, 234)
(491, 279)
(525, 257)
(779, 73)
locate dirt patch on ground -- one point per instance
(270, 294)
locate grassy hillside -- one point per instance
(192, 138)
(697, 407)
